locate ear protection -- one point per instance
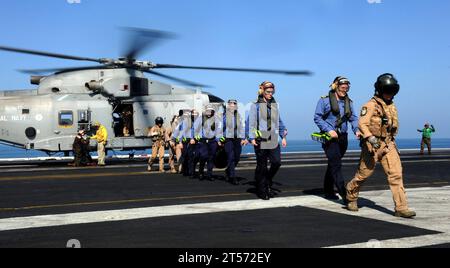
(340, 80)
(264, 85)
(335, 85)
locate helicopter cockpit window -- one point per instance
(66, 118)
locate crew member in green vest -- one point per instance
(426, 137)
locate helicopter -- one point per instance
(48, 117)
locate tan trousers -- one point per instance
(174, 151)
(392, 167)
(157, 151)
(101, 154)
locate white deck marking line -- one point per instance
(431, 204)
(151, 212)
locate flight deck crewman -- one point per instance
(102, 137)
(379, 126)
(208, 141)
(264, 126)
(78, 150)
(233, 140)
(181, 136)
(158, 135)
(193, 147)
(174, 149)
(333, 113)
(426, 137)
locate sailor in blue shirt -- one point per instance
(193, 145)
(183, 134)
(233, 139)
(264, 125)
(208, 140)
(333, 113)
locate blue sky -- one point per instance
(329, 37)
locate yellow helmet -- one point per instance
(96, 124)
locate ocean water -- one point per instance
(293, 146)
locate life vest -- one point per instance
(334, 104)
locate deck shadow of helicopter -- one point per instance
(362, 202)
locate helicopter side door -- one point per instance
(145, 114)
(84, 120)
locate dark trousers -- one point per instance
(207, 152)
(233, 149)
(184, 159)
(335, 151)
(193, 158)
(79, 159)
(263, 175)
(425, 141)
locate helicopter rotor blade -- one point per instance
(143, 39)
(178, 80)
(60, 70)
(284, 72)
(49, 54)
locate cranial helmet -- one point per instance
(340, 80)
(159, 121)
(386, 83)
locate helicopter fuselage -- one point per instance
(49, 117)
